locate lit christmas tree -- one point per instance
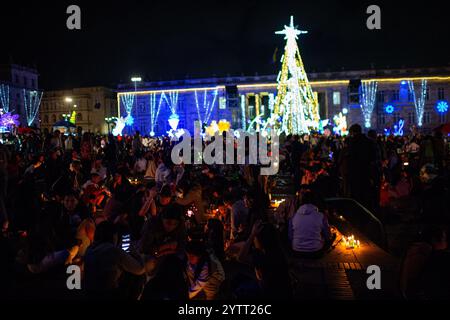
(296, 107)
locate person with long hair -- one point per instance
(204, 271)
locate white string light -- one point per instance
(368, 99)
(172, 101)
(32, 102)
(4, 97)
(244, 118)
(419, 103)
(128, 101)
(154, 113)
(208, 107)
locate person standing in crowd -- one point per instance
(360, 158)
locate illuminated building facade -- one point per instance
(396, 95)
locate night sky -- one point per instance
(166, 40)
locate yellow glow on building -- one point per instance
(140, 93)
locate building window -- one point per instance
(222, 103)
(33, 84)
(336, 98)
(46, 118)
(382, 119)
(53, 118)
(443, 117)
(396, 117)
(428, 94)
(395, 95)
(251, 112)
(411, 117)
(426, 117)
(380, 96)
(410, 96)
(441, 94)
(79, 117)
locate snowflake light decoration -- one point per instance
(442, 106)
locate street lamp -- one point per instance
(68, 99)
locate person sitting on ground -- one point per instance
(150, 173)
(93, 194)
(435, 278)
(309, 229)
(164, 235)
(170, 282)
(154, 202)
(163, 172)
(239, 217)
(204, 271)
(105, 263)
(98, 168)
(264, 253)
(192, 195)
(214, 238)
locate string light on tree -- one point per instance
(368, 99)
(295, 103)
(419, 102)
(32, 102)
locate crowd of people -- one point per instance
(141, 227)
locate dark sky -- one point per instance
(164, 40)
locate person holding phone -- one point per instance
(106, 262)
